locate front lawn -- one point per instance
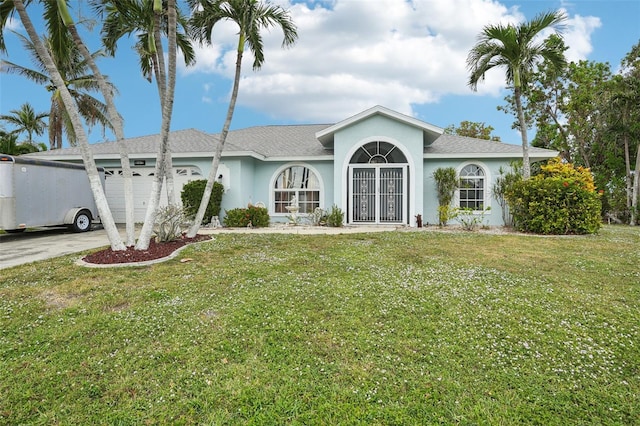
(386, 328)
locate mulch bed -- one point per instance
(130, 255)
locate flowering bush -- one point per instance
(561, 199)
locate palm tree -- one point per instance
(167, 91)
(139, 18)
(79, 81)
(63, 16)
(27, 120)
(92, 171)
(251, 16)
(518, 50)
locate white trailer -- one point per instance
(36, 193)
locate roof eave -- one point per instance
(499, 155)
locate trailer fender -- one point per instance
(79, 219)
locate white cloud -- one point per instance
(13, 24)
(353, 54)
(578, 36)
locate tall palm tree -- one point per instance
(517, 49)
(146, 20)
(137, 17)
(64, 17)
(74, 115)
(26, 120)
(78, 79)
(167, 91)
(251, 16)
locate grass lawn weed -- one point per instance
(376, 329)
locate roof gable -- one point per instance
(430, 132)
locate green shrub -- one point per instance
(560, 200)
(502, 184)
(192, 195)
(241, 217)
(335, 217)
(469, 219)
(446, 184)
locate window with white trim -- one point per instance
(472, 187)
(298, 181)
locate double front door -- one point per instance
(378, 194)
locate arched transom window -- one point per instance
(300, 182)
(472, 187)
(378, 153)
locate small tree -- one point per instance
(446, 184)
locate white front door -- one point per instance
(378, 194)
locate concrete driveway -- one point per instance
(45, 243)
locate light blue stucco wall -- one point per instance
(266, 173)
(492, 170)
(379, 128)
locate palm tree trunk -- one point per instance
(213, 173)
(161, 80)
(526, 165)
(167, 110)
(627, 164)
(636, 190)
(116, 123)
(52, 126)
(87, 155)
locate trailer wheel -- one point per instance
(82, 222)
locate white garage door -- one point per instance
(142, 181)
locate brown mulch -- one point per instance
(130, 255)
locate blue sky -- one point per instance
(351, 55)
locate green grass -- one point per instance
(361, 329)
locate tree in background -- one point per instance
(26, 120)
(471, 129)
(592, 118)
(630, 100)
(518, 50)
(251, 16)
(78, 79)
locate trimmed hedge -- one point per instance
(560, 200)
(240, 217)
(191, 196)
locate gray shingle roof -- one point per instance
(278, 141)
(285, 141)
(454, 144)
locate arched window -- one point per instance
(298, 181)
(378, 153)
(472, 187)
